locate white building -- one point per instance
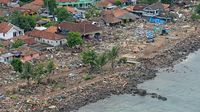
(47, 37)
(8, 31)
(6, 58)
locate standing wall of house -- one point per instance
(2, 60)
(11, 33)
(51, 42)
(30, 57)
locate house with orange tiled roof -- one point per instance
(85, 28)
(4, 2)
(116, 16)
(52, 29)
(9, 3)
(25, 53)
(110, 4)
(25, 38)
(34, 6)
(8, 31)
(104, 4)
(49, 38)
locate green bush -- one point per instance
(1, 46)
(87, 77)
(195, 16)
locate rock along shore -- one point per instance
(123, 83)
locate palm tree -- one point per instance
(27, 72)
(102, 59)
(113, 54)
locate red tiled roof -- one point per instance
(45, 35)
(4, 1)
(103, 3)
(106, 12)
(28, 40)
(26, 51)
(5, 43)
(119, 12)
(1, 13)
(51, 29)
(5, 27)
(111, 19)
(3, 50)
(81, 27)
(34, 6)
(70, 9)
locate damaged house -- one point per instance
(117, 16)
(48, 38)
(8, 31)
(153, 10)
(86, 29)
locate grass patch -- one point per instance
(87, 77)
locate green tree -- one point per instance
(17, 65)
(147, 1)
(117, 2)
(74, 39)
(3, 19)
(39, 72)
(27, 72)
(198, 9)
(51, 5)
(25, 22)
(89, 57)
(64, 15)
(102, 59)
(1, 46)
(18, 43)
(166, 1)
(50, 66)
(92, 12)
(26, 1)
(113, 54)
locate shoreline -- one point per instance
(124, 83)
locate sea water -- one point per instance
(181, 87)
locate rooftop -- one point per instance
(45, 35)
(81, 27)
(5, 27)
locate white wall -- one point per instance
(51, 42)
(9, 34)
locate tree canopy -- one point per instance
(113, 54)
(51, 5)
(117, 2)
(27, 72)
(18, 43)
(50, 66)
(98, 60)
(166, 1)
(89, 57)
(64, 15)
(147, 1)
(3, 19)
(25, 22)
(73, 39)
(92, 12)
(17, 65)
(198, 9)
(39, 72)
